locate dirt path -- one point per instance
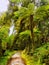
(16, 60)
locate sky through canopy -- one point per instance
(3, 5)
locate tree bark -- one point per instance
(31, 28)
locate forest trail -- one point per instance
(16, 60)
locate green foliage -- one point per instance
(42, 13)
(3, 32)
(3, 36)
(41, 54)
(23, 39)
(27, 32)
(7, 55)
(31, 8)
(15, 1)
(24, 12)
(10, 40)
(44, 2)
(21, 12)
(28, 59)
(32, 32)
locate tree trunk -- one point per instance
(31, 28)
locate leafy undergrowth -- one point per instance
(28, 59)
(7, 55)
(39, 57)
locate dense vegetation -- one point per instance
(30, 33)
